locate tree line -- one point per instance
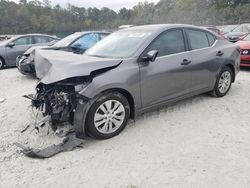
(40, 16)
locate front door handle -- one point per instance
(186, 62)
(220, 53)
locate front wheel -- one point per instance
(223, 83)
(108, 116)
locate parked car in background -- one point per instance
(215, 30)
(244, 45)
(238, 32)
(16, 46)
(227, 28)
(130, 72)
(78, 43)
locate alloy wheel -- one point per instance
(109, 116)
(224, 82)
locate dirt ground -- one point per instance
(199, 142)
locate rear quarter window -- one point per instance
(211, 39)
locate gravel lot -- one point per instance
(199, 142)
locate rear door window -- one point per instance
(169, 42)
(198, 39)
(41, 39)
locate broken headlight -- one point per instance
(80, 87)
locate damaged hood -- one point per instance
(54, 66)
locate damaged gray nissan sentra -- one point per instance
(130, 72)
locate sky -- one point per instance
(113, 4)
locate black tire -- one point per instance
(216, 91)
(2, 64)
(106, 97)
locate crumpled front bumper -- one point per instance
(25, 66)
(64, 108)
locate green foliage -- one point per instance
(40, 16)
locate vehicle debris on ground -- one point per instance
(68, 144)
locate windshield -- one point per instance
(121, 44)
(67, 40)
(229, 28)
(247, 38)
(242, 28)
(238, 29)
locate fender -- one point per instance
(4, 58)
(228, 63)
(82, 108)
(80, 115)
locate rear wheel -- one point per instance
(1, 63)
(223, 83)
(108, 116)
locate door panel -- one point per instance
(169, 76)
(200, 69)
(21, 45)
(165, 79)
(202, 55)
(14, 52)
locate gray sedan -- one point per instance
(130, 72)
(16, 46)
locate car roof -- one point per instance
(36, 34)
(86, 32)
(160, 27)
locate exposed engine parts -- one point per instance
(57, 102)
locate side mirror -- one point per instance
(11, 44)
(150, 56)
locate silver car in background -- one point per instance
(238, 32)
(130, 72)
(16, 46)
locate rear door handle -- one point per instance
(220, 53)
(186, 62)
